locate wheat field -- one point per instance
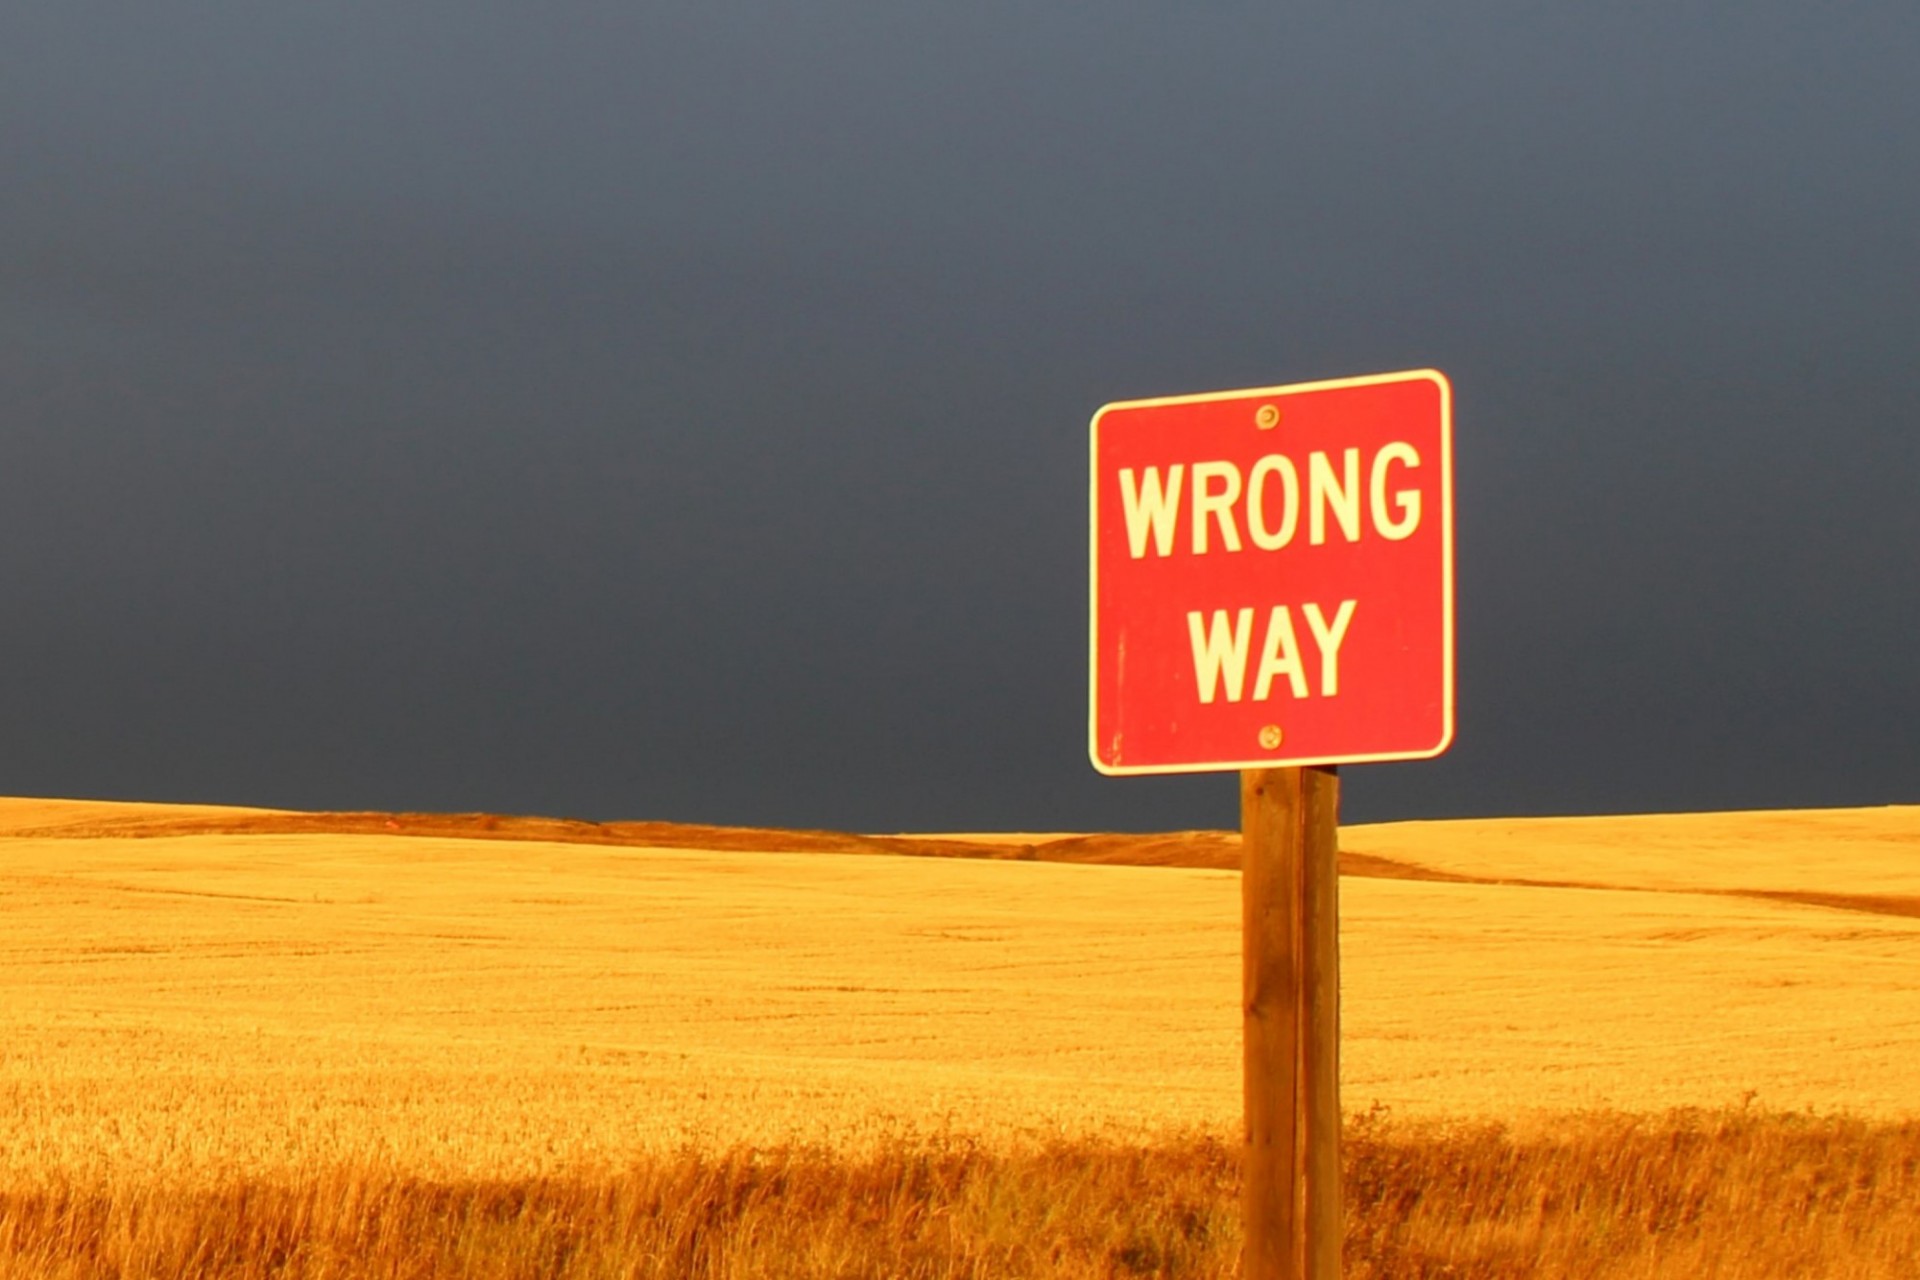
(186, 1013)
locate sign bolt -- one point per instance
(1267, 417)
(1270, 736)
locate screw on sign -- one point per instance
(1272, 592)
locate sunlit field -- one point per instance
(197, 1000)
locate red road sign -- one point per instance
(1272, 576)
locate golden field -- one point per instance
(193, 1000)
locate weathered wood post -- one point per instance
(1290, 982)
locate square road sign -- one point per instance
(1272, 576)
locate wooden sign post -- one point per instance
(1290, 984)
(1271, 576)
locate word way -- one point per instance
(1220, 650)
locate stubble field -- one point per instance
(1020, 1062)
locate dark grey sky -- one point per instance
(679, 410)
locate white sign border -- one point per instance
(1434, 376)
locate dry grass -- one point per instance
(231, 1041)
(1860, 851)
(1734, 1195)
(484, 1008)
(476, 1009)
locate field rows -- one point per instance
(178, 1007)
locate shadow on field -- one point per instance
(1208, 850)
